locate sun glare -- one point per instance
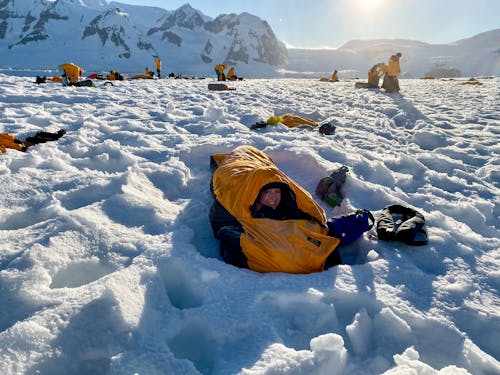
(368, 3)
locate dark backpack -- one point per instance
(400, 223)
(327, 129)
(328, 188)
(41, 79)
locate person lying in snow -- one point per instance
(334, 78)
(148, 74)
(294, 121)
(374, 75)
(10, 141)
(114, 76)
(231, 76)
(72, 76)
(264, 220)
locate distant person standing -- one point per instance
(219, 70)
(392, 70)
(373, 76)
(334, 78)
(158, 66)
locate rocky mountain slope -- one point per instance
(99, 36)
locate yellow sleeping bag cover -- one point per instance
(9, 141)
(291, 246)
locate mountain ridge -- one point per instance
(101, 36)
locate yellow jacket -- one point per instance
(111, 76)
(143, 76)
(291, 246)
(383, 68)
(230, 74)
(335, 77)
(393, 68)
(292, 121)
(9, 141)
(148, 74)
(373, 77)
(221, 67)
(73, 72)
(220, 71)
(158, 63)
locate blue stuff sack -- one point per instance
(349, 228)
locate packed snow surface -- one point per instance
(108, 264)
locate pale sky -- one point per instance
(331, 23)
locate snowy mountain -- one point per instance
(479, 55)
(100, 36)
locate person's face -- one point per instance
(271, 197)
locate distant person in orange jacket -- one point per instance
(148, 74)
(219, 70)
(334, 78)
(392, 70)
(231, 76)
(114, 76)
(374, 76)
(158, 66)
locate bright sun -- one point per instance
(368, 3)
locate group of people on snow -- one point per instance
(389, 71)
(222, 76)
(71, 75)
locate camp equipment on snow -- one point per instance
(43, 136)
(349, 228)
(258, 125)
(291, 246)
(400, 223)
(39, 79)
(274, 120)
(328, 188)
(219, 87)
(472, 81)
(292, 121)
(364, 85)
(327, 129)
(84, 83)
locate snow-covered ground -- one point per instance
(108, 264)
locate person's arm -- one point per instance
(230, 248)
